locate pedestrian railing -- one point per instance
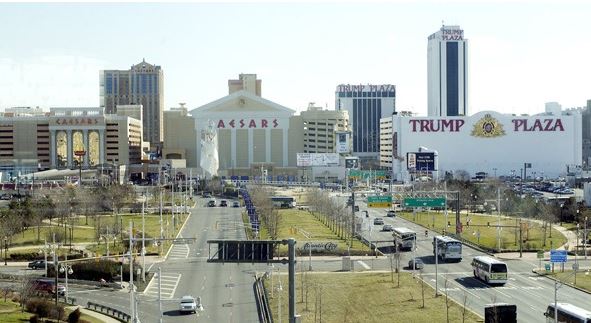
(262, 299)
(112, 312)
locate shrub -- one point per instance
(34, 319)
(39, 306)
(74, 317)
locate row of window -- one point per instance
(351, 94)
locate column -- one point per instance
(250, 147)
(101, 146)
(69, 148)
(233, 147)
(285, 147)
(52, 150)
(86, 147)
(267, 145)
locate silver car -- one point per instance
(188, 304)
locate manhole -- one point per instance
(228, 305)
(230, 285)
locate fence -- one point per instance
(262, 300)
(109, 311)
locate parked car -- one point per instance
(417, 262)
(211, 203)
(61, 290)
(190, 305)
(37, 264)
(235, 204)
(224, 203)
(391, 214)
(378, 221)
(5, 196)
(387, 227)
(206, 195)
(356, 208)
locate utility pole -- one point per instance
(143, 241)
(131, 289)
(160, 293)
(352, 217)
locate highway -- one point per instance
(530, 292)
(225, 289)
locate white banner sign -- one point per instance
(319, 246)
(310, 159)
(342, 143)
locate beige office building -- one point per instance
(56, 139)
(320, 128)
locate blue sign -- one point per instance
(558, 255)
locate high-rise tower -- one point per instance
(141, 84)
(447, 68)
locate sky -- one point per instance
(521, 53)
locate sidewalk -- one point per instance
(99, 316)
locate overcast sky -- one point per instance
(521, 53)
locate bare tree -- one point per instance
(422, 287)
(26, 287)
(447, 303)
(464, 307)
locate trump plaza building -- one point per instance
(487, 142)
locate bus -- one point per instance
(283, 202)
(567, 313)
(490, 270)
(447, 248)
(405, 238)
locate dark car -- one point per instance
(391, 214)
(211, 203)
(224, 203)
(418, 263)
(356, 208)
(236, 204)
(206, 194)
(37, 264)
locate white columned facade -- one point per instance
(268, 145)
(233, 147)
(285, 146)
(250, 147)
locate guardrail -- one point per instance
(262, 299)
(115, 313)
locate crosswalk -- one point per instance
(169, 283)
(178, 251)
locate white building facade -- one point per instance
(447, 72)
(486, 142)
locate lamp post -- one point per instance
(67, 269)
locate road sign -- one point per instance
(379, 201)
(541, 254)
(424, 201)
(558, 256)
(547, 267)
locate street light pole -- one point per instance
(5, 250)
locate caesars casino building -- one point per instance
(487, 142)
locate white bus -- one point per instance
(283, 202)
(490, 270)
(567, 313)
(405, 238)
(447, 248)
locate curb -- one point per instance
(567, 284)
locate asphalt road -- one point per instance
(226, 290)
(530, 292)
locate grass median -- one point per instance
(364, 297)
(304, 227)
(583, 277)
(479, 231)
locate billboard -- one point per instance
(311, 159)
(421, 161)
(342, 143)
(352, 162)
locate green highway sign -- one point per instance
(424, 201)
(379, 201)
(367, 174)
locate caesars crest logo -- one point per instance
(488, 127)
